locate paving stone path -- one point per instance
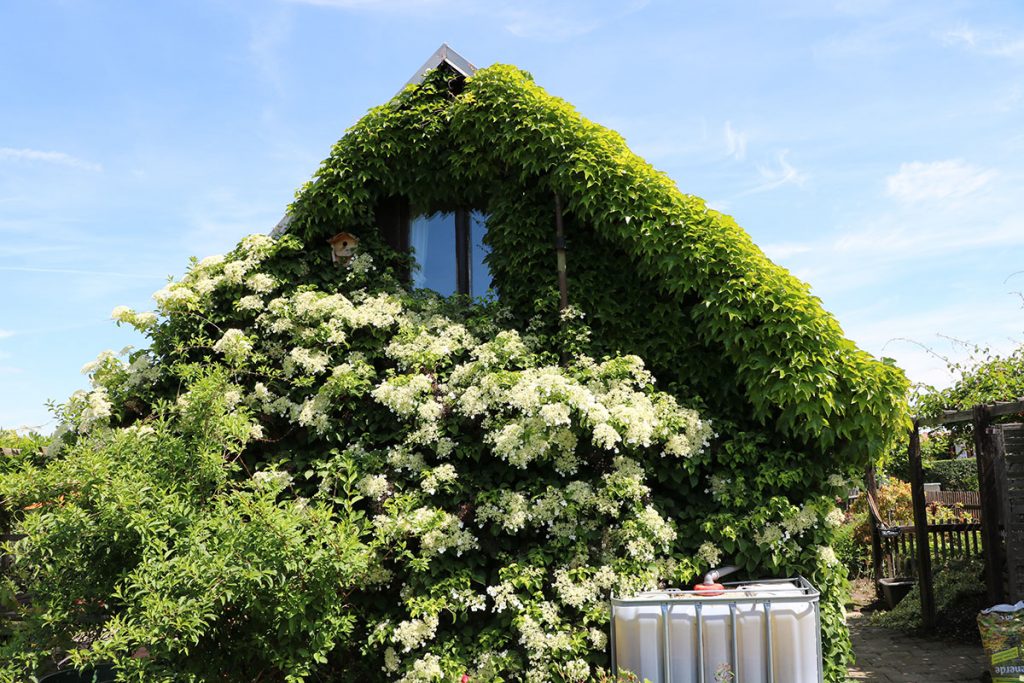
(884, 655)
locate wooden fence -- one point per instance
(969, 501)
(960, 540)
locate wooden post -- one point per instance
(991, 543)
(876, 536)
(563, 285)
(924, 556)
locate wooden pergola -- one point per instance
(999, 455)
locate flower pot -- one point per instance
(894, 590)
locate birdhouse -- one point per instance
(343, 246)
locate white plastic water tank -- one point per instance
(733, 631)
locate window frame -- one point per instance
(395, 217)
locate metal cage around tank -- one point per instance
(737, 597)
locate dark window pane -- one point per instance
(481, 274)
(432, 239)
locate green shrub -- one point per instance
(959, 588)
(850, 546)
(143, 539)
(954, 475)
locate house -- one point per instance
(491, 183)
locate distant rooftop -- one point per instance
(443, 55)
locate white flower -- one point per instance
(210, 262)
(577, 670)
(827, 555)
(273, 479)
(261, 283)
(374, 486)
(94, 365)
(122, 314)
(708, 554)
(415, 632)
(234, 345)
(97, 410)
(606, 437)
(834, 518)
(438, 477)
(175, 296)
(426, 669)
(250, 302)
(311, 361)
(504, 596)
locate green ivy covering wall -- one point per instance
(656, 273)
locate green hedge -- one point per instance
(954, 475)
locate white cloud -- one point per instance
(4, 334)
(59, 158)
(774, 177)
(992, 43)
(735, 142)
(937, 180)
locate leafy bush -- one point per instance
(143, 539)
(959, 587)
(494, 470)
(954, 475)
(851, 548)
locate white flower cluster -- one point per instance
(141, 321)
(234, 345)
(374, 486)
(595, 429)
(96, 409)
(426, 669)
(709, 554)
(805, 518)
(827, 556)
(835, 518)
(438, 477)
(438, 531)
(414, 633)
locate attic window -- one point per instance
(449, 251)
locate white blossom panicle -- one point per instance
(97, 410)
(404, 394)
(278, 479)
(426, 669)
(504, 597)
(361, 264)
(175, 296)
(261, 283)
(250, 302)
(834, 518)
(438, 477)
(806, 518)
(374, 486)
(709, 554)
(234, 346)
(210, 262)
(93, 365)
(837, 481)
(827, 555)
(575, 593)
(308, 361)
(414, 633)
(770, 536)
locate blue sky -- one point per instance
(874, 148)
